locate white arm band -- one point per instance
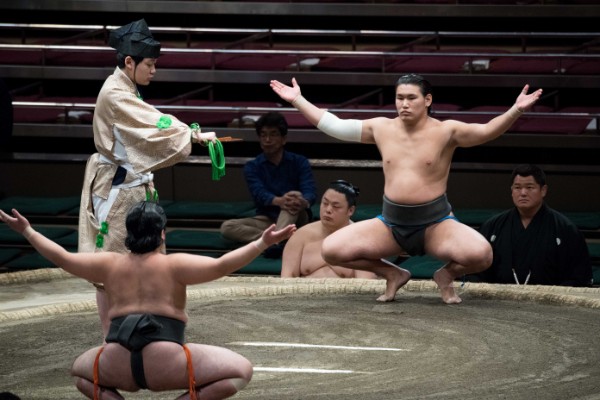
(349, 130)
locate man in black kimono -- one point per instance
(532, 243)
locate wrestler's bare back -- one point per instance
(145, 283)
(151, 283)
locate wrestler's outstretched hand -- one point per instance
(526, 101)
(284, 91)
(17, 222)
(270, 236)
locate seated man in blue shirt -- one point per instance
(281, 184)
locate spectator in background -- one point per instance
(302, 254)
(532, 243)
(281, 184)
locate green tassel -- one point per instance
(152, 197)
(100, 241)
(164, 122)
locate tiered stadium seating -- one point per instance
(219, 77)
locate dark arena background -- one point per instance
(219, 56)
(217, 59)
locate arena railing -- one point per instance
(580, 40)
(334, 9)
(239, 112)
(218, 66)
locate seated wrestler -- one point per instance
(146, 289)
(302, 253)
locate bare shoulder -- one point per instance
(175, 259)
(451, 124)
(380, 121)
(111, 258)
(373, 128)
(443, 130)
(311, 231)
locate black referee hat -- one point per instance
(135, 40)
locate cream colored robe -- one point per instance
(121, 114)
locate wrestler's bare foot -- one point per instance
(396, 278)
(444, 280)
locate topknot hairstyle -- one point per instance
(347, 189)
(145, 223)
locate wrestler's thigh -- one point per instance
(453, 240)
(166, 369)
(114, 367)
(369, 239)
(213, 363)
(83, 366)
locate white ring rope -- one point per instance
(271, 286)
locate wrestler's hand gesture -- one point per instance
(270, 236)
(526, 101)
(285, 92)
(18, 223)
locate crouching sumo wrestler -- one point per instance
(146, 289)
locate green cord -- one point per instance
(152, 197)
(217, 158)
